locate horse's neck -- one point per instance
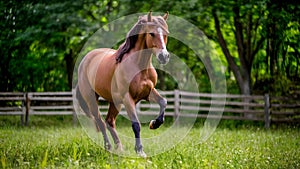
(145, 58)
(144, 55)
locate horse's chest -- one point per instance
(140, 87)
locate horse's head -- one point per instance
(155, 30)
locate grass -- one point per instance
(53, 142)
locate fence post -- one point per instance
(23, 109)
(267, 110)
(27, 101)
(74, 115)
(176, 104)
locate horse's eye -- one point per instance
(152, 34)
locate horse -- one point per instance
(124, 77)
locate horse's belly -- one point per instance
(103, 86)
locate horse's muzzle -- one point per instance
(163, 57)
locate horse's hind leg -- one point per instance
(91, 100)
(113, 111)
(100, 124)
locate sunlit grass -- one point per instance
(64, 146)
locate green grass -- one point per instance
(53, 142)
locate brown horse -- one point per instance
(125, 76)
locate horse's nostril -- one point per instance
(161, 56)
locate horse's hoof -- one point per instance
(154, 124)
(141, 153)
(151, 125)
(119, 147)
(107, 146)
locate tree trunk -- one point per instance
(237, 71)
(245, 88)
(69, 67)
(242, 72)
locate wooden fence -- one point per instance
(180, 104)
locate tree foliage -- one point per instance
(41, 41)
(257, 40)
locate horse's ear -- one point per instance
(166, 15)
(150, 16)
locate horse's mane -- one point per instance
(131, 38)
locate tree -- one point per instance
(276, 69)
(257, 40)
(245, 18)
(241, 30)
(42, 39)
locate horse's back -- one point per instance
(96, 70)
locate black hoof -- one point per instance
(154, 124)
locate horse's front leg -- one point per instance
(136, 125)
(156, 97)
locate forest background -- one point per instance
(257, 41)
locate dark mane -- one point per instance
(130, 41)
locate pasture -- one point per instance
(53, 142)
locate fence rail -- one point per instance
(180, 104)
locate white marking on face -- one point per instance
(162, 55)
(160, 32)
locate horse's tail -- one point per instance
(82, 103)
